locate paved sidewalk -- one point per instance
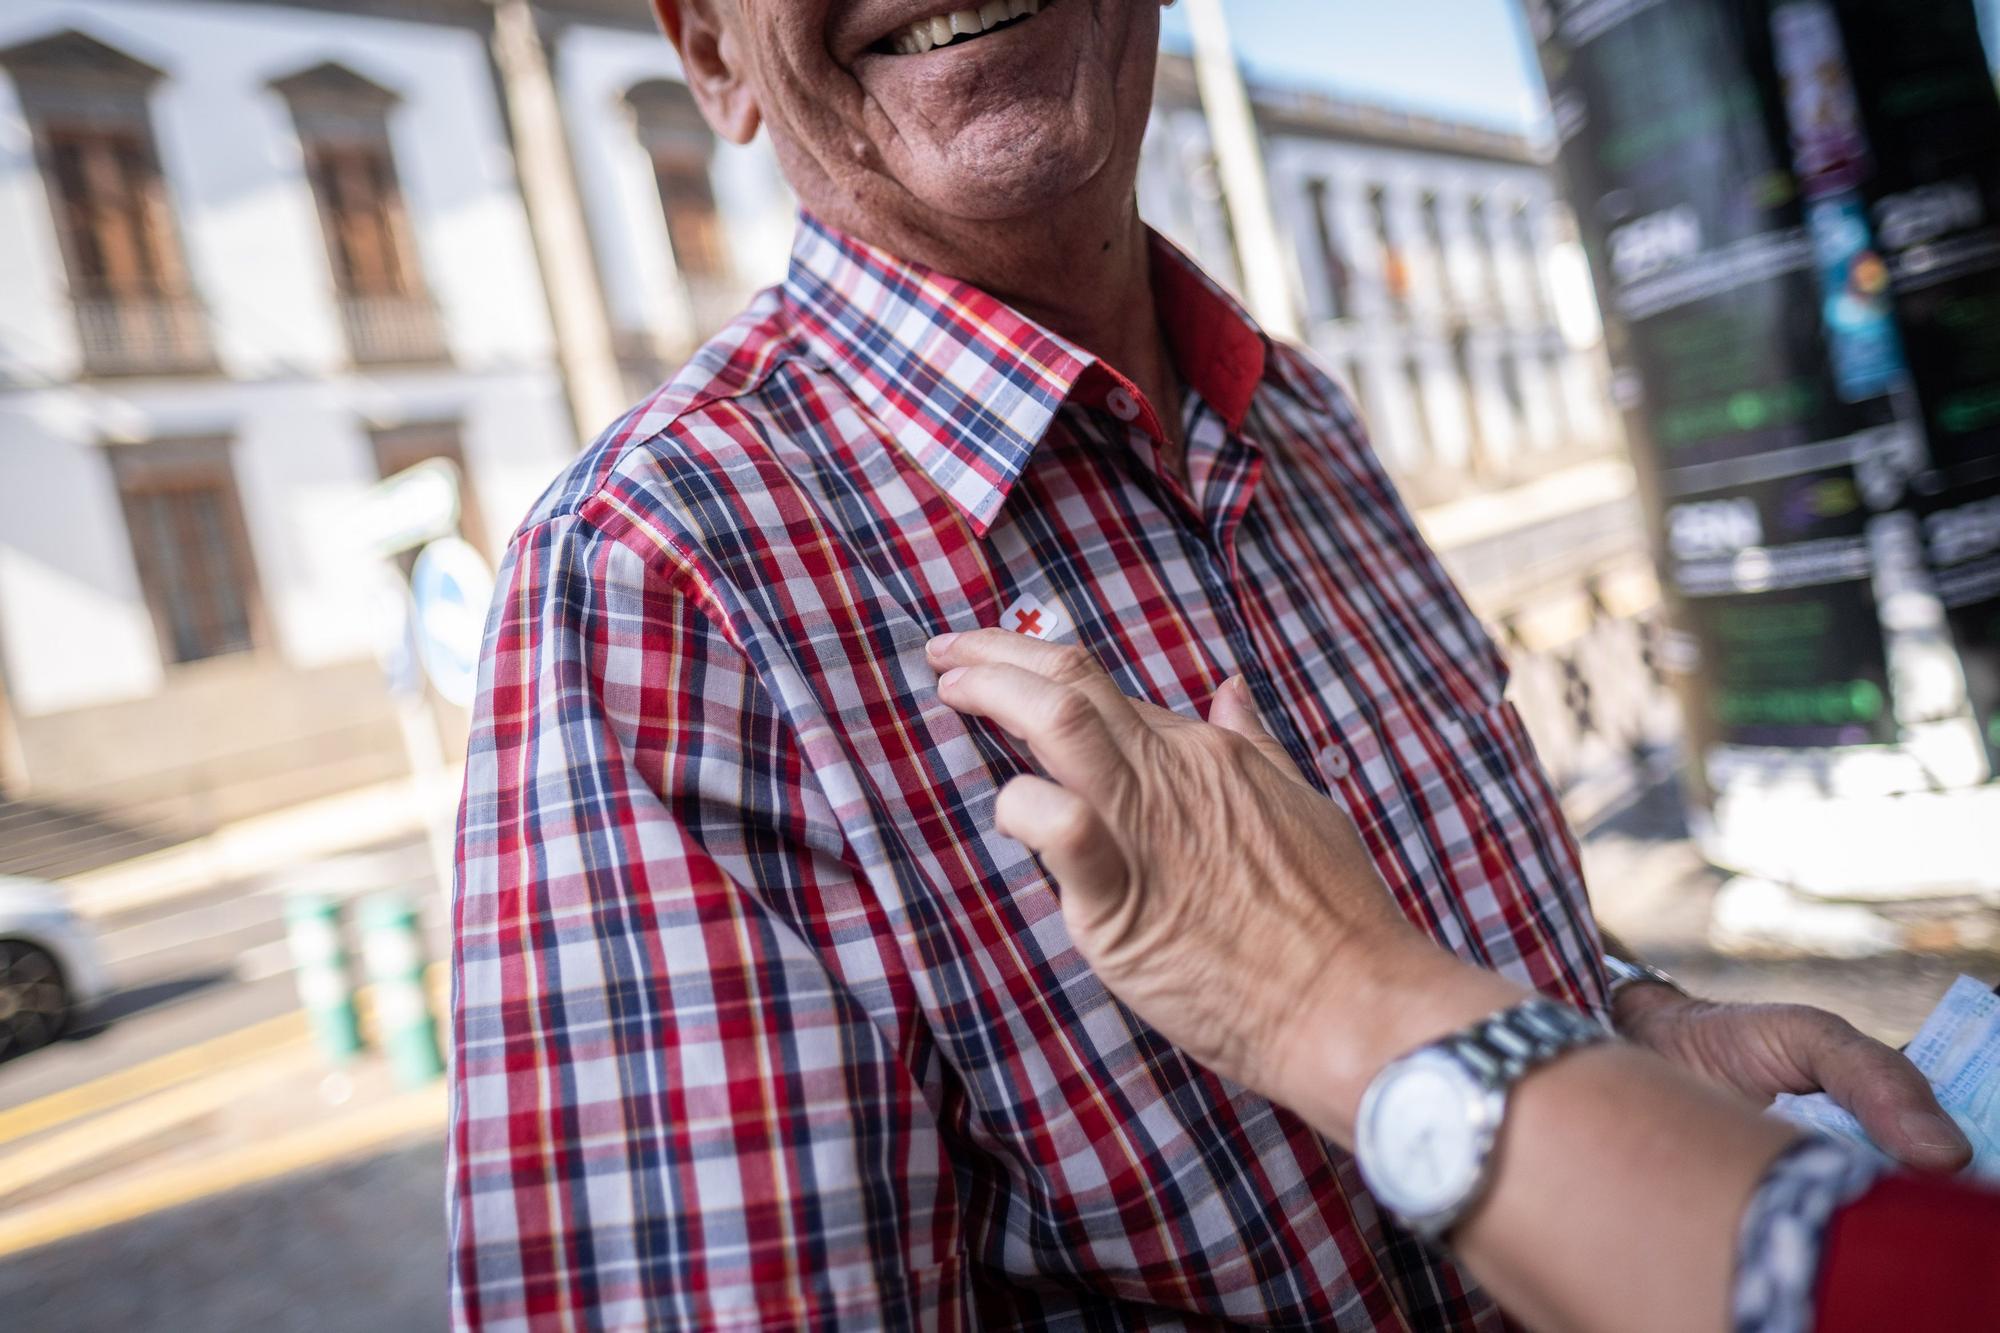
(236, 1131)
(1651, 888)
(356, 1247)
(237, 1110)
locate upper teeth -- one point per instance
(922, 35)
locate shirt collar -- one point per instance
(968, 386)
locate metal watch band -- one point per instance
(1623, 972)
(1494, 1053)
(1502, 1048)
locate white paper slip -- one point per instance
(1958, 1050)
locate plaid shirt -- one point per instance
(758, 1024)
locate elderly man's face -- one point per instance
(906, 112)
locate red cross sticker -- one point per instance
(1032, 616)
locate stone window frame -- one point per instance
(387, 311)
(88, 108)
(680, 151)
(200, 587)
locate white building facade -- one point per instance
(254, 257)
(257, 255)
(1436, 269)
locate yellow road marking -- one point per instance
(69, 1149)
(314, 1145)
(154, 1075)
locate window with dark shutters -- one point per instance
(1339, 299)
(189, 545)
(87, 110)
(386, 310)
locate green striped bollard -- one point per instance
(403, 1025)
(326, 990)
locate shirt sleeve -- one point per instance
(680, 1098)
(1783, 1235)
(1835, 1240)
(1918, 1254)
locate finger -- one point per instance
(1065, 664)
(1062, 724)
(1234, 710)
(981, 646)
(1073, 842)
(1888, 1095)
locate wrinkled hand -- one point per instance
(1761, 1050)
(1203, 879)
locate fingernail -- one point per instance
(941, 645)
(1929, 1130)
(948, 677)
(1234, 685)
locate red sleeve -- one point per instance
(1914, 1254)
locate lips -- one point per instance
(959, 26)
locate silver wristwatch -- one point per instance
(1429, 1120)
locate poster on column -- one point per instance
(1931, 178)
(1779, 576)
(1755, 426)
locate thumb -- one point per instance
(1073, 843)
(1233, 710)
(1891, 1099)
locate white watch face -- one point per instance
(1424, 1134)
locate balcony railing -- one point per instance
(391, 330)
(143, 336)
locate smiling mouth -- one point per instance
(959, 26)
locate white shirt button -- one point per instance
(1333, 762)
(1122, 405)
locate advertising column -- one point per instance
(1927, 101)
(1721, 168)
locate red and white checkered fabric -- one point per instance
(757, 1023)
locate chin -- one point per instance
(1000, 167)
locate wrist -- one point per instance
(1360, 1019)
(1636, 1005)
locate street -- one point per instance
(200, 966)
(118, 1144)
(195, 1166)
(356, 1247)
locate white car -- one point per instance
(49, 969)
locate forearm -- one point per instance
(1620, 1185)
(1619, 1181)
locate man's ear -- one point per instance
(717, 68)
